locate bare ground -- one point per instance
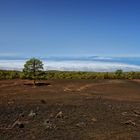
(70, 110)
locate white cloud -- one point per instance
(103, 58)
(72, 65)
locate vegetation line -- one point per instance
(44, 75)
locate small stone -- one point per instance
(32, 114)
(81, 124)
(124, 113)
(21, 115)
(11, 102)
(67, 89)
(59, 114)
(137, 112)
(43, 101)
(18, 124)
(21, 125)
(51, 115)
(130, 122)
(48, 124)
(94, 119)
(33, 137)
(37, 108)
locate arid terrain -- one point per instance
(70, 110)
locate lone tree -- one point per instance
(119, 73)
(32, 69)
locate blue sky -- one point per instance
(69, 28)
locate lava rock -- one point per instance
(32, 114)
(59, 115)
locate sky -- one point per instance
(45, 28)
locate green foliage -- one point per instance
(32, 69)
(119, 74)
(44, 75)
(9, 74)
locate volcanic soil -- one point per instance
(70, 110)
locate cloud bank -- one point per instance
(72, 65)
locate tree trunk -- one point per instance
(34, 82)
(34, 73)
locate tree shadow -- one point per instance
(43, 84)
(37, 84)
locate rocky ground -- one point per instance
(70, 110)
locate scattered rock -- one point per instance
(49, 125)
(110, 106)
(43, 101)
(51, 115)
(37, 108)
(137, 112)
(81, 124)
(21, 115)
(130, 122)
(15, 83)
(33, 137)
(94, 119)
(32, 114)
(67, 89)
(124, 113)
(11, 102)
(18, 124)
(59, 115)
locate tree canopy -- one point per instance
(32, 68)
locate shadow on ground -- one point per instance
(37, 84)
